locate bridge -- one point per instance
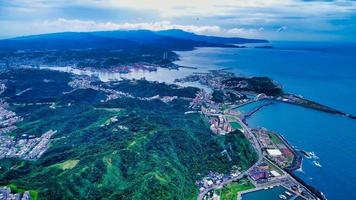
(253, 111)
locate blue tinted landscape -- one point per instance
(206, 100)
(324, 72)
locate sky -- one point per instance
(302, 20)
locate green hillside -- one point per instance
(152, 151)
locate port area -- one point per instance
(225, 110)
(265, 179)
(273, 182)
(271, 193)
(272, 174)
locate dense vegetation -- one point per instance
(257, 84)
(152, 151)
(220, 96)
(143, 88)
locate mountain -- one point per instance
(169, 39)
(146, 36)
(64, 41)
(177, 33)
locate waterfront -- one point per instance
(321, 72)
(326, 75)
(309, 130)
(323, 134)
(268, 194)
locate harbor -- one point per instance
(270, 193)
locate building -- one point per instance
(274, 152)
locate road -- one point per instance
(256, 145)
(249, 135)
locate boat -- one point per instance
(306, 154)
(313, 155)
(281, 196)
(288, 193)
(316, 163)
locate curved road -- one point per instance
(249, 135)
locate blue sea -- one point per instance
(323, 72)
(269, 194)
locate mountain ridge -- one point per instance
(172, 39)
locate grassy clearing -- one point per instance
(235, 125)
(275, 139)
(113, 110)
(230, 191)
(69, 164)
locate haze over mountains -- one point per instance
(173, 39)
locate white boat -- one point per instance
(313, 155)
(316, 163)
(288, 193)
(281, 196)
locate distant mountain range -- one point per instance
(173, 39)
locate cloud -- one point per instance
(89, 25)
(61, 24)
(197, 8)
(255, 18)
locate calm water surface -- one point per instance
(270, 194)
(322, 72)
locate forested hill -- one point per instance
(170, 39)
(124, 148)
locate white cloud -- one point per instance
(181, 8)
(201, 8)
(61, 25)
(207, 8)
(245, 18)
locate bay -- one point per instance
(324, 72)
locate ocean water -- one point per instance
(324, 72)
(270, 194)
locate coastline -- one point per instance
(328, 111)
(216, 80)
(300, 101)
(298, 158)
(297, 162)
(314, 87)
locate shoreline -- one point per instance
(306, 103)
(297, 163)
(298, 160)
